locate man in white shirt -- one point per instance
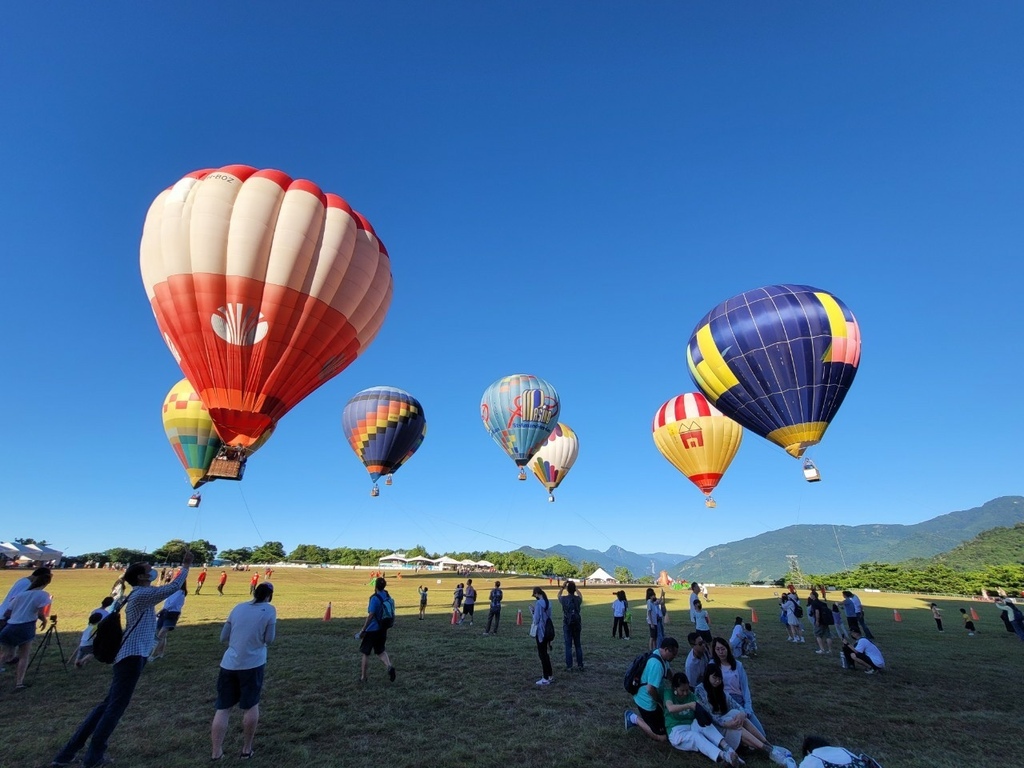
(864, 654)
(250, 628)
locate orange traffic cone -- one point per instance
(519, 618)
(455, 616)
(753, 616)
(327, 613)
(974, 615)
(896, 615)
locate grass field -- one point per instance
(462, 698)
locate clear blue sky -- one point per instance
(565, 189)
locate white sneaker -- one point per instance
(819, 652)
(543, 681)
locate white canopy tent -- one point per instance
(602, 575)
(31, 553)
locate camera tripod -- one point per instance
(37, 656)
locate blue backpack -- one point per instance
(386, 614)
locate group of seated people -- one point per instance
(708, 709)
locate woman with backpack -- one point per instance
(542, 629)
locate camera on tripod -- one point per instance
(53, 619)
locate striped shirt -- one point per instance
(140, 618)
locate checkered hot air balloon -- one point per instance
(384, 426)
(779, 360)
(191, 432)
(264, 287)
(697, 440)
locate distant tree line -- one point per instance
(273, 551)
(932, 579)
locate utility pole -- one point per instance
(795, 575)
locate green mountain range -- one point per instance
(823, 549)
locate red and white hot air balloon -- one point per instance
(263, 287)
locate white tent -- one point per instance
(602, 575)
(447, 563)
(31, 553)
(393, 559)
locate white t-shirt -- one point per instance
(16, 589)
(26, 606)
(737, 635)
(693, 611)
(831, 755)
(869, 649)
(618, 609)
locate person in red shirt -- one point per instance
(253, 582)
(223, 580)
(200, 580)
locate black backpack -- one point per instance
(797, 610)
(631, 682)
(572, 612)
(107, 638)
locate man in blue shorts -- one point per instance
(250, 628)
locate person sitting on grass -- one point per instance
(864, 654)
(728, 716)
(685, 733)
(819, 753)
(648, 699)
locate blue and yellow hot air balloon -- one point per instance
(555, 457)
(190, 431)
(519, 412)
(779, 360)
(384, 426)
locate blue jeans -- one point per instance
(102, 720)
(571, 637)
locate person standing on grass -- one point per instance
(653, 612)
(821, 620)
(250, 628)
(694, 597)
(221, 582)
(937, 615)
(837, 621)
(618, 614)
(1012, 615)
(572, 623)
(703, 621)
(20, 630)
(167, 620)
(651, 719)
(200, 580)
(373, 635)
(864, 654)
(253, 582)
(138, 642)
(17, 588)
(457, 597)
(470, 605)
(423, 601)
(543, 631)
(968, 624)
(494, 609)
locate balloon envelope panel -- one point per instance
(555, 457)
(519, 412)
(779, 360)
(696, 438)
(384, 426)
(263, 288)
